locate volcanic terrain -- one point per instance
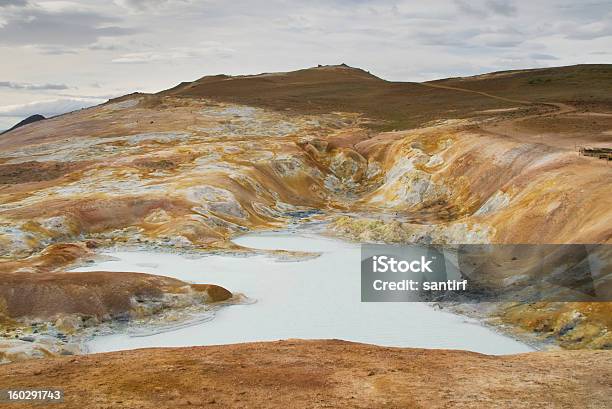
(486, 159)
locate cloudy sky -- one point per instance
(57, 56)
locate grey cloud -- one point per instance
(449, 38)
(501, 38)
(5, 3)
(179, 53)
(94, 98)
(48, 107)
(142, 4)
(495, 7)
(503, 7)
(32, 87)
(584, 10)
(467, 8)
(589, 31)
(103, 47)
(149, 5)
(472, 38)
(67, 28)
(548, 57)
(55, 50)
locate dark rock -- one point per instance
(122, 317)
(28, 120)
(27, 339)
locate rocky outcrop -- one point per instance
(518, 192)
(193, 175)
(102, 295)
(573, 325)
(44, 314)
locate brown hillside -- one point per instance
(391, 105)
(589, 85)
(405, 105)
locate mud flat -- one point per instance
(311, 298)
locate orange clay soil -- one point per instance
(320, 374)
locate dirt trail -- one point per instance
(317, 374)
(511, 128)
(486, 94)
(516, 129)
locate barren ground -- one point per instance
(321, 374)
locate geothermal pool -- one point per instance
(312, 299)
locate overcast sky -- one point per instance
(58, 56)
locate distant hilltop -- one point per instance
(28, 120)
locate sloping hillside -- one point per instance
(390, 105)
(587, 85)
